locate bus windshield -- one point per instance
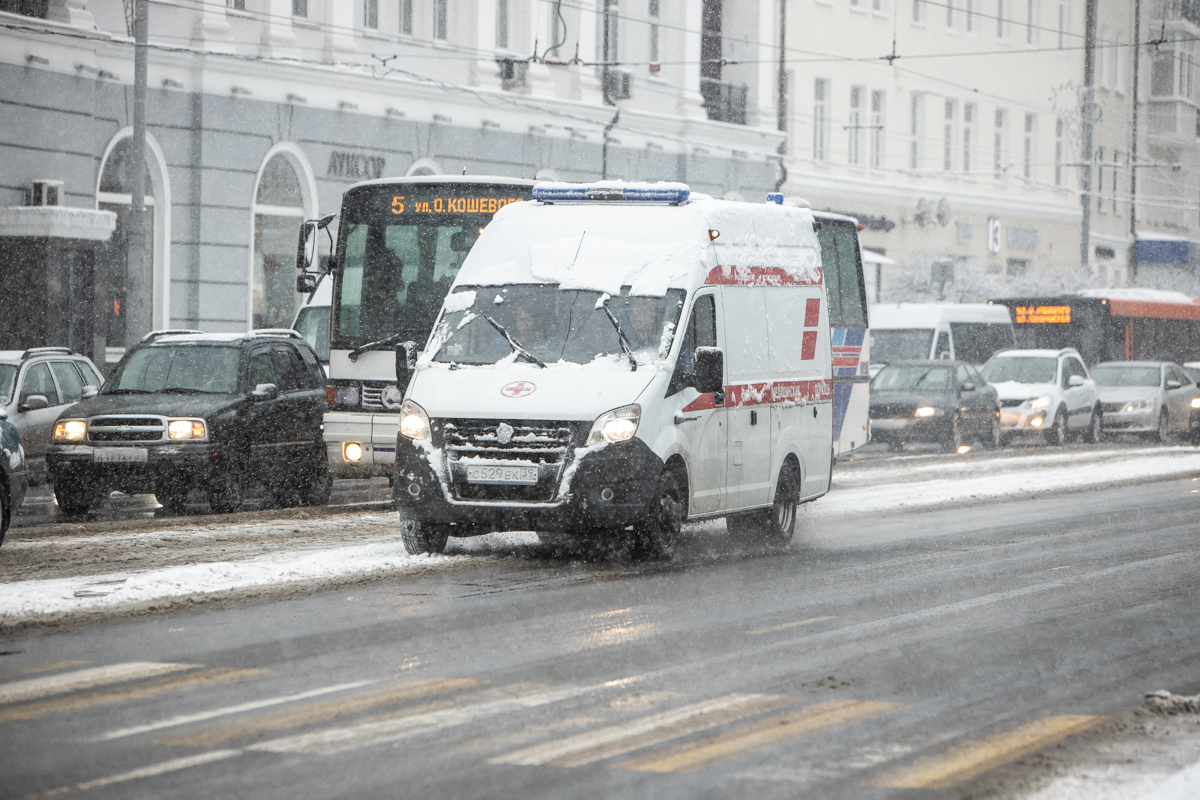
(400, 247)
(908, 344)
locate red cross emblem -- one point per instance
(518, 389)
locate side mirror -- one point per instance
(34, 402)
(265, 391)
(1074, 381)
(968, 387)
(306, 283)
(1174, 384)
(406, 362)
(710, 370)
(89, 392)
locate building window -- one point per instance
(236, 5)
(918, 12)
(970, 14)
(1031, 22)
(406, 15)
(613, 26)
(1064, 20)
(916, 130)
(877, 139)
(278, 212)
(855, 126)
(1116, 175)
(1030, 146)
(299, 8)
(999, 154)
(1059, 150)
(371, 14)
(877, 6)
(948, 119)
(439, 20)
(1002, 19)
(968, 137)
(1119, 65)
(502, 24)
(820, 119)
(654, 7)
(950, 9)
(116, 189)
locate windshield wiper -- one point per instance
(621, 337)
(379, 345)
(517, 347)
(184, 390)
(128, 391)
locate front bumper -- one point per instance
(192, 463)
(910, 429)
(607, 488)
(374, 433)
(1023, 420)
(1140, 421)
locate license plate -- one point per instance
(119, 455)
(496, 473)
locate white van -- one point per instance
(622, 355)
(971, 332)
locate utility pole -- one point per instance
(606, 23)
(1089, 113)
(138, 282)
(781, 114)
(1133, 145)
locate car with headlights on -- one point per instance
(1045, 393)
(1154, 398)
(14, 473)
(185, 410)
(944, 402)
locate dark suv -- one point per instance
(185, 410)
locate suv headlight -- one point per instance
(618, 425)
(70, 430)
(186, 429)
(414, 422)
(927, 411)
(1041, 402)
(1137, 405)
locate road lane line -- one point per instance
(974, 758)
(34, 688)
(396, 727)
(696, 755)
(615, 740)
(320, 712)
(44, 668)
(785, 626)
(207, 677)
(185, 719)
(134, 774)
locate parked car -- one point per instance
(14, 473)
(37, 385)
(185, 410)
(933, 401)
(1148, 397)
(1048, 393)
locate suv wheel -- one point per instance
(75, 497)
(421, 536)
(225, 491)
(1095, 431)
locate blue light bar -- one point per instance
(662, 192)
(775, 197)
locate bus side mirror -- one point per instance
(306, 283)
(406, 362)
(710, 370)
(302, 259)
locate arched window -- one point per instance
(279, 210)
(114, 192)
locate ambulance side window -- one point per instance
(701, 331)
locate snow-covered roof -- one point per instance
(57, 222)
(1145, 295)
(927, 315)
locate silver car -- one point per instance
(1155, 398)
(36, 385)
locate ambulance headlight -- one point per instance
(618, 425)
(414, 422)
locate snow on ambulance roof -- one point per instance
(648, 246)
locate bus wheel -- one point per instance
(656, 536)
(1057, 434)
(1095, 431)
(423, 537)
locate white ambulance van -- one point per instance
(614, 359)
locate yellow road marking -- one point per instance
(974, 758)
(696, 755)
(43, 668)
(134, 774)
(319, 712)
(787, 625)
(616, 740)
(149, 689)
(34, 688)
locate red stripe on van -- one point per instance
(754, 394)
(808, 346)
(762, 276)
(812, 312)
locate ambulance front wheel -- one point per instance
(656, 536)
(423, 537)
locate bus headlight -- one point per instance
(70, 430)
(414, 422)
(618, 425)
(927, 411)
(1040, 402)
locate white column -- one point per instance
(211, 30)
(71, 12)
(342, 19)
(691, 104)
(278, 40)
(589, 50)
(484, 71)
(768, 64)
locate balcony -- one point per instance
(1188, 10)
(724, 102)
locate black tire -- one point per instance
(1095, 431)
(173, 494)
(774, 526)
(226, 491)
(992, 439)
(1056, 434)
(955, 441)
(423, 537)
(75, 497)
(656, 536)
(1164, 426)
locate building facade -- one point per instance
(260, 113)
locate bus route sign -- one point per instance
(450, 204)
(1053, 315)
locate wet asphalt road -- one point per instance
(899, 657)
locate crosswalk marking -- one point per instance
(44, 668)
(319, 712)
(695, 755)
(186, 719)
(100, 697)
(615, 740)
(974, 758)
(34, 688)
(788, 625)
(142, 772)
(398, 726)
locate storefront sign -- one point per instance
(1054, 315)
(354, 166)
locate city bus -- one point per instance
(841, 260)
(1110, 324)
(400, 243)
